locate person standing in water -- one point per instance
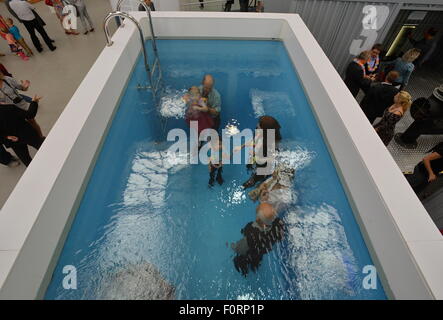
(213, 99)
(258, 239)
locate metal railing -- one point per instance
(109, 42)
(154, 84)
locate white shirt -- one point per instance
(22, 9)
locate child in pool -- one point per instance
(216, 162)
(197, 110)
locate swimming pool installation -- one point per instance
(402, 242)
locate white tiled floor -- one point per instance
(53, 75)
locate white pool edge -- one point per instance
(404, 243)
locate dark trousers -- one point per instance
(27, 136)
(244, 4)
(419, 182)
(252, 181)
(228, 5)
(34, 25)
(5, 156)
(418, 179)
(216, 122)
(215, 171)
(419, 127)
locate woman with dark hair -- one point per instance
(266, 139)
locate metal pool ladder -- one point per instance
(155, 83)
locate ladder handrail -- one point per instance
(142, 38)
(154, 88)
(148, 11)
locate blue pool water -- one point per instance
(140, 209)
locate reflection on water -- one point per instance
(172, 104)
(272, 103)
(149, 177)
(319, 252)
(184, 70)
(135, 282)
(232, 127)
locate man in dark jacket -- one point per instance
(16, 132)
(379, 97)
(356, 77)
(432, 123)
(427, 45)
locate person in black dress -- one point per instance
(386, 126)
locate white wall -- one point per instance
(284, 5)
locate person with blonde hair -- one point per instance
(386, 126)
(404, 66)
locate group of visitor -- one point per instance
(18, 127)
(25, 13)
(383, 84)
(384, 98)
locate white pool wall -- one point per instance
(405, 245)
